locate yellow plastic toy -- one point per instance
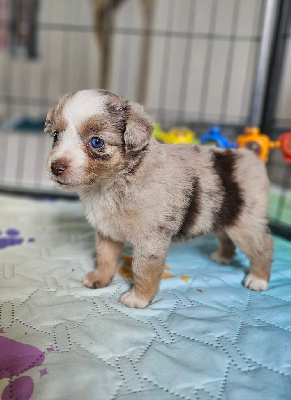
(257, 142)
(157, 130)
(177, 135)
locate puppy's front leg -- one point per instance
(108, 253)
(147, 272)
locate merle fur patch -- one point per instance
(224, 164)
(135, 160)
(191, 211)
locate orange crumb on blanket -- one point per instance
(167, 275)
(185, 278)
(126, 270)
(127, 261)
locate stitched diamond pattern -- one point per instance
(205, 337)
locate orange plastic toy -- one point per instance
(260, 143)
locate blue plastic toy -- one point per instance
(215, 137)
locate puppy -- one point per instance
(137, 190)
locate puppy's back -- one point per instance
(222, 187)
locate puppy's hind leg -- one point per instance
(257, 244)
(108, 253)
(226, 250)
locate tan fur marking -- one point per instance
(226, 250)
(97, 126)
(147, 271)
(54, 119)
(146, 284)
(257, 245)
(108, 253)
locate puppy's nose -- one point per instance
(58, 167)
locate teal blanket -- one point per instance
(204, 336)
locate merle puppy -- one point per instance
(137, 190)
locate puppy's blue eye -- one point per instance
(56, 136)
(96, 142)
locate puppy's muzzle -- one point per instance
(58, 167)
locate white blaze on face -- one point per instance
(81, 106)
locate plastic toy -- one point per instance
(285, 141)
(180, 135)
(177, 135)
(252, 139)
(157, 130)
(257, 142)
(215, 137)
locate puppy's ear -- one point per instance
(138, 129)
(48, 125)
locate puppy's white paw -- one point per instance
(254, 283)
(95, 280)
(217, 257)
(130, 299)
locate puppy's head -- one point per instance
(95, 135)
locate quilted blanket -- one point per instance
(204, 336)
